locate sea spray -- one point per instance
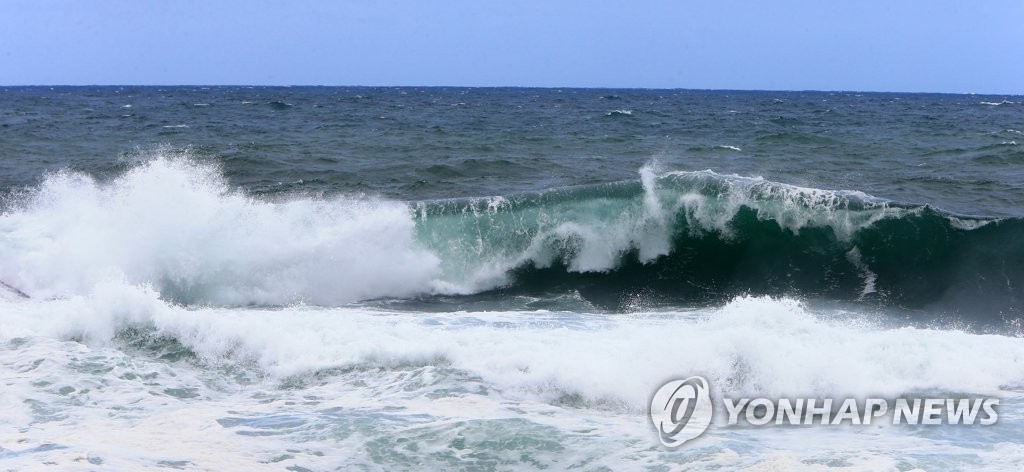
(174, 224)
(699, 237)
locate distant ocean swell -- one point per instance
(177, 226)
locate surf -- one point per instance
(177, 226)
(684, 237)
(705, 237)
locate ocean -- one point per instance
(361, 278)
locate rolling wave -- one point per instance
(693, 237)
(702, 236)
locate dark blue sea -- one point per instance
(334, 278)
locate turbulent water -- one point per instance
(236, 278)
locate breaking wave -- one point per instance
(177, 226)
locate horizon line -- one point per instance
(544, 87)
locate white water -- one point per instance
(176, 225)
(97, 372)
(301, 375)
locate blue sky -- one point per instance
(868, 45)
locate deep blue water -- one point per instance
(960, 153)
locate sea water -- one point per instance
(239, 278)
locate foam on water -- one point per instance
(94, 374)
(175, 224)
(750, 345)
(140, 348)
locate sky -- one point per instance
(862, 45)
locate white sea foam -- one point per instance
(339, 383)
(869, 277)
(176, 225)
(792, 207)
(751, 345)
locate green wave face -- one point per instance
(704, 237)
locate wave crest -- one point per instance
(177, 225)
(699, 236)
(702, 236)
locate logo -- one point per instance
(681, 410)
